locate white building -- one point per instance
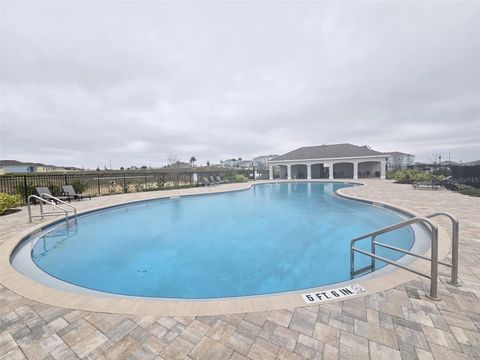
(398, 160)
(240, 164)
(244, 164)
(230, 163)
(262, 161)
(19, 167)
(329, 162)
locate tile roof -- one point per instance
(328, 151)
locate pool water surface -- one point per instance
(268, 239)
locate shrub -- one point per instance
(9, 202)
(468, 190)
(231, 176)
(79, 186)
(408, 176)
(56, 190)
(30, 189)
(241, 178)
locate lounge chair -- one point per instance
(213, 181)
(41, 190)
(69, 191)
(219, 180)
(429, 184)
(443, 181)
(206, 182)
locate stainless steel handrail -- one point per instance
(62, 202)
(454, 280)
(434, 252)
(51, 213)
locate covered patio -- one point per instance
(339, 161)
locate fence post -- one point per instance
(145, 180)
(124, 184)
(25, 189)
(65, 179)
(98, 184)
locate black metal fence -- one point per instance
(114, 182)
(468, 175)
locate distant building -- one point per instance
(398, 160)
(179, 165)
(261, 162)
(244, 164)
(473, 163)
(48, 168)
(14, 166)
(237, 164)
(19, 167)
(230, 163)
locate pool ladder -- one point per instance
(55, 203)
(433, 231)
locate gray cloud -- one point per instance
(134, 82)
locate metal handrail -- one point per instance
(51, 213)
(455, 243)
(433, 260)
(62, 202)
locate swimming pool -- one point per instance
(271, 238)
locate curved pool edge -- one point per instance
(26, 287)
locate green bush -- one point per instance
(79, 186)
(9, 202)
(30, 190)
(231, 176)
(56, 190)
(468, 190)
(408, 176)
(241, 178)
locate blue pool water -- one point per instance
(268, 239)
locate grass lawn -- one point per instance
(468, 190)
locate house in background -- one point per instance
(238, 164)
(261, 162)
(179, 165)
(329, 162)
(230, 163)
(398, 160)
(14, 166)
(19, 167)
(244, 164)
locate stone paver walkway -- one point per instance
(400, 323)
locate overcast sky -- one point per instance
(138, 82)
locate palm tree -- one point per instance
(193, 160)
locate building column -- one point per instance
(355, 170)
(309, 171)
(289, 172)
(330, 171)
(270, 172)
(382, 169)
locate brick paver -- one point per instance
(400, 323)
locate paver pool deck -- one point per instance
(398, 323)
